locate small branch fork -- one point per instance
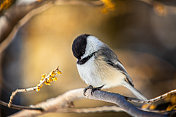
(13, 94)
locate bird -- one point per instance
(99, 67)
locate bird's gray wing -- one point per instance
(110, 57)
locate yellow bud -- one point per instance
(39, 86)
(43, 76)
(59, 72)
(108, 6)
(54, 79)
(50, 79)
(37, 89)
(47, 83)
(171, 107)
(152, 107)
(145, 106)
(173, 99)
(42, 79)
(53, 73)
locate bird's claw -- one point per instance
(92, 89)
(89, 87)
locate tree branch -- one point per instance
(61, 102)
(18, 107)
(153, 99)
(17, 15)
(92, 110)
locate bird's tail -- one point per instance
(135, 91)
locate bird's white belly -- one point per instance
(88, 73)
(98, 73)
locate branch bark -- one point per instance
(61, 102)
(18, 107)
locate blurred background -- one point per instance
(143, 37)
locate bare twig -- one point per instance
(46, 79)
(13, 94)
(162, 7)
(161, 96)
(147, 1)
(164, 2)
(153, 99)
(9, 25)
(58, 103)
(18, 107)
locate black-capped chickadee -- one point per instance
(99, 66)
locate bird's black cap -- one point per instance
(79, 45)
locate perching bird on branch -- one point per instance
(99, 66)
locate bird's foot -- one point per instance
(92, 89)
(89, 87)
